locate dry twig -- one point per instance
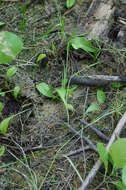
(92, 146)
(96, 80)
(78, 151)
(98, 164)
(97, 131)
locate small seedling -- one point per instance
(51, 92)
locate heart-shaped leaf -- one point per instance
(82, 43)
(45, 89)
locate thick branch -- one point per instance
(96, 80)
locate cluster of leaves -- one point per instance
(63, 91)
(10, 47)
(117, 152)
(117, 157)
(56, 93)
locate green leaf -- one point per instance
(118, 152)
(2, 150)
(103, 155)
(2, 94)
(120, 185)
(93, 108)
(101, 97)
(82, 43)
(1, 107)
(23, 9)
(2, 23)
(69, 107)
(124, 175)
(16, 91)
(62, 94)
(45, 89)
(70, 3)
(40, 57)
(11, 72)
(10, 46)
(4, 125)
(116, 85)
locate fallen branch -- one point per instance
(96, 80)
(75, 152)
(92, 146)
(98, 164)
(97, 131)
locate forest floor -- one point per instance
(40, 140)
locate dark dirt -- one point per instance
(41, 130)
